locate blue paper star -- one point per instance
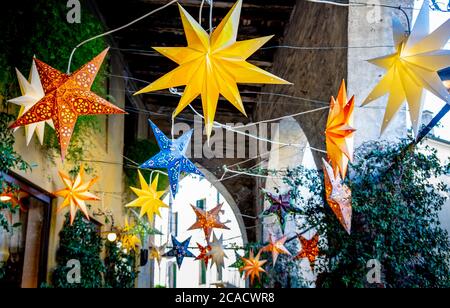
(172, 157)
(180, 250)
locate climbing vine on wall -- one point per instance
(395, 219)
(40, 28)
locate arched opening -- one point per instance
(204, 193)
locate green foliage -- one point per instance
(9, 159)
(120, 267)
(80, 241)
(40, 28)
(395, 219)
(140, 151)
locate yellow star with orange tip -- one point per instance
(413, 67)
(253, 266)
(149, 198)
(76, 193)
(276, 247)
(129, 241)
(339, 131)
(212, 65)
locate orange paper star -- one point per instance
(339, 196)
(207, 220)
(309, 250)
(253, 266)
(66, 98)
(204, 254)
(76, 193)
(276, 247)
(339, 131)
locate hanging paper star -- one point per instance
(309, 250)
(339, 196)
(239, 263)
(66, 98)
(339, 131)
(129, 240)
(76, 193)
(157, 252)
(172, 157)
(149, 198)
(32, 92)
(412, 68)
(253, 266)
(217, 252)
(276, 247)
(207, 220)
(280, 206)
(180, 250)
(204, 253)
(212, 65)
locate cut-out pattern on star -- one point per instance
(310, 249)
(339, 196)
(276, 247)
(66, 98)
(212, 65)
(339, 131)
(180, 250)
(76, 193)
(253, 266)
(149, 198)
(281, 207)
(204, 253)
(412, 68)
(207, 220)
(172, 157)
(32, 92)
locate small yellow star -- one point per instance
(149, 198)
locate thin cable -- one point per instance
(281, 118)
(325, 47)
(360, 4)
(211, 5)
(115, 30)
(200, 13)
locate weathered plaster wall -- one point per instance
(106, 146)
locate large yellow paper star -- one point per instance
(212, 65)
(76, 193)
(149, 198)
(412, 68)
(32, 92)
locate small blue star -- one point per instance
(180, 250)
(172, 157)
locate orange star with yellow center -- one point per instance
(339, 131)
(253, 266)
(76, 193)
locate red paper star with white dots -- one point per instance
(66, 98)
